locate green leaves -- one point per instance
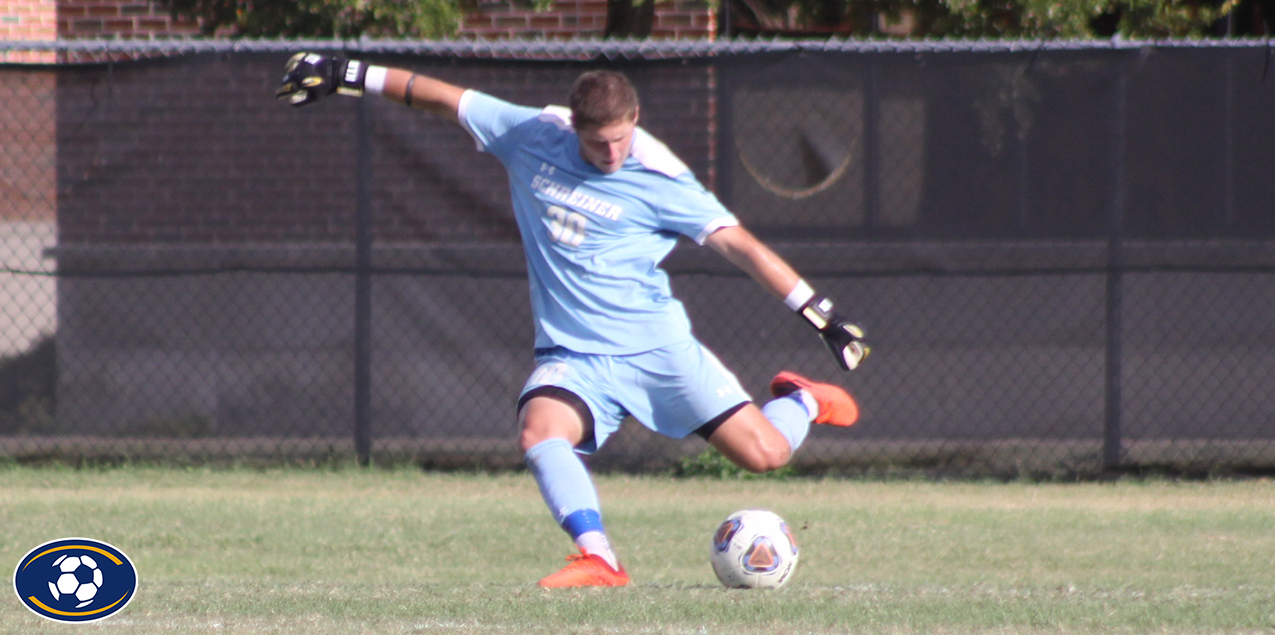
(1131, 19)
(322, 18)
(1044, 19)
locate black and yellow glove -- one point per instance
(843, 338)
(309, 77)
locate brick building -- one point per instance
(493, 19)
(566, 19)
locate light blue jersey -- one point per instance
(594, 241)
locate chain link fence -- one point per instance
(1063, 253)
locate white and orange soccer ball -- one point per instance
(754, 549)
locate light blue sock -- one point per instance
(565, 486)
(789, 415)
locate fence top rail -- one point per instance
(599, 48)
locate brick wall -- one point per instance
(567, 19)
(28, 20)
(43, 20)
(684, 19)
(28, 145)
(28, 129)
(119, 19)
(507, 19)
(494, 19)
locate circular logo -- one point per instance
(75, 580)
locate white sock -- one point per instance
(596, 543)
(791, 416)
(809, 401)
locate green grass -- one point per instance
(400, 551)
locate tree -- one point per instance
(322, 18)
(981, 18)
(819, 18)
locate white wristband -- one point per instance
(374, 81)
(799, 295)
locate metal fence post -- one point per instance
(1228, 160)
(363, 287)
(723, 118)
(872, 144)
(1112, 448)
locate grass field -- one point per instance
(401, 551)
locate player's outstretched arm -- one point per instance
(745, 251)
(309, 77)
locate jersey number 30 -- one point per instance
(566, 227)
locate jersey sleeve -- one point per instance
(694, 211)
(487, 119)
(683, 204)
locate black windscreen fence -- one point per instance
(1063, 254)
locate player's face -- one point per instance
(607, 147)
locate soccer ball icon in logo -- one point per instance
(80, 577)
(754, 548)
(75, 580)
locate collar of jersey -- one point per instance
(648, 151)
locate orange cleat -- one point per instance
(586, 570)
(836, 406)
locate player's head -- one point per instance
(604, 112)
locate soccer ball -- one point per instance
(78, 576)
(754, 548)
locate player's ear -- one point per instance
(637, 110)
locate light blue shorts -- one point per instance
(673, 390)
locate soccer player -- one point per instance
(599, 203)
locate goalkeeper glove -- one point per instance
(309, 77)
(844, 339)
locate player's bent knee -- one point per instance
(760, 458)
(762, 466)
(532, 435)
(528, 439)
(773, 459)
(751, 442)
(543, 418)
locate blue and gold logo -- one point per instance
(75, 580)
